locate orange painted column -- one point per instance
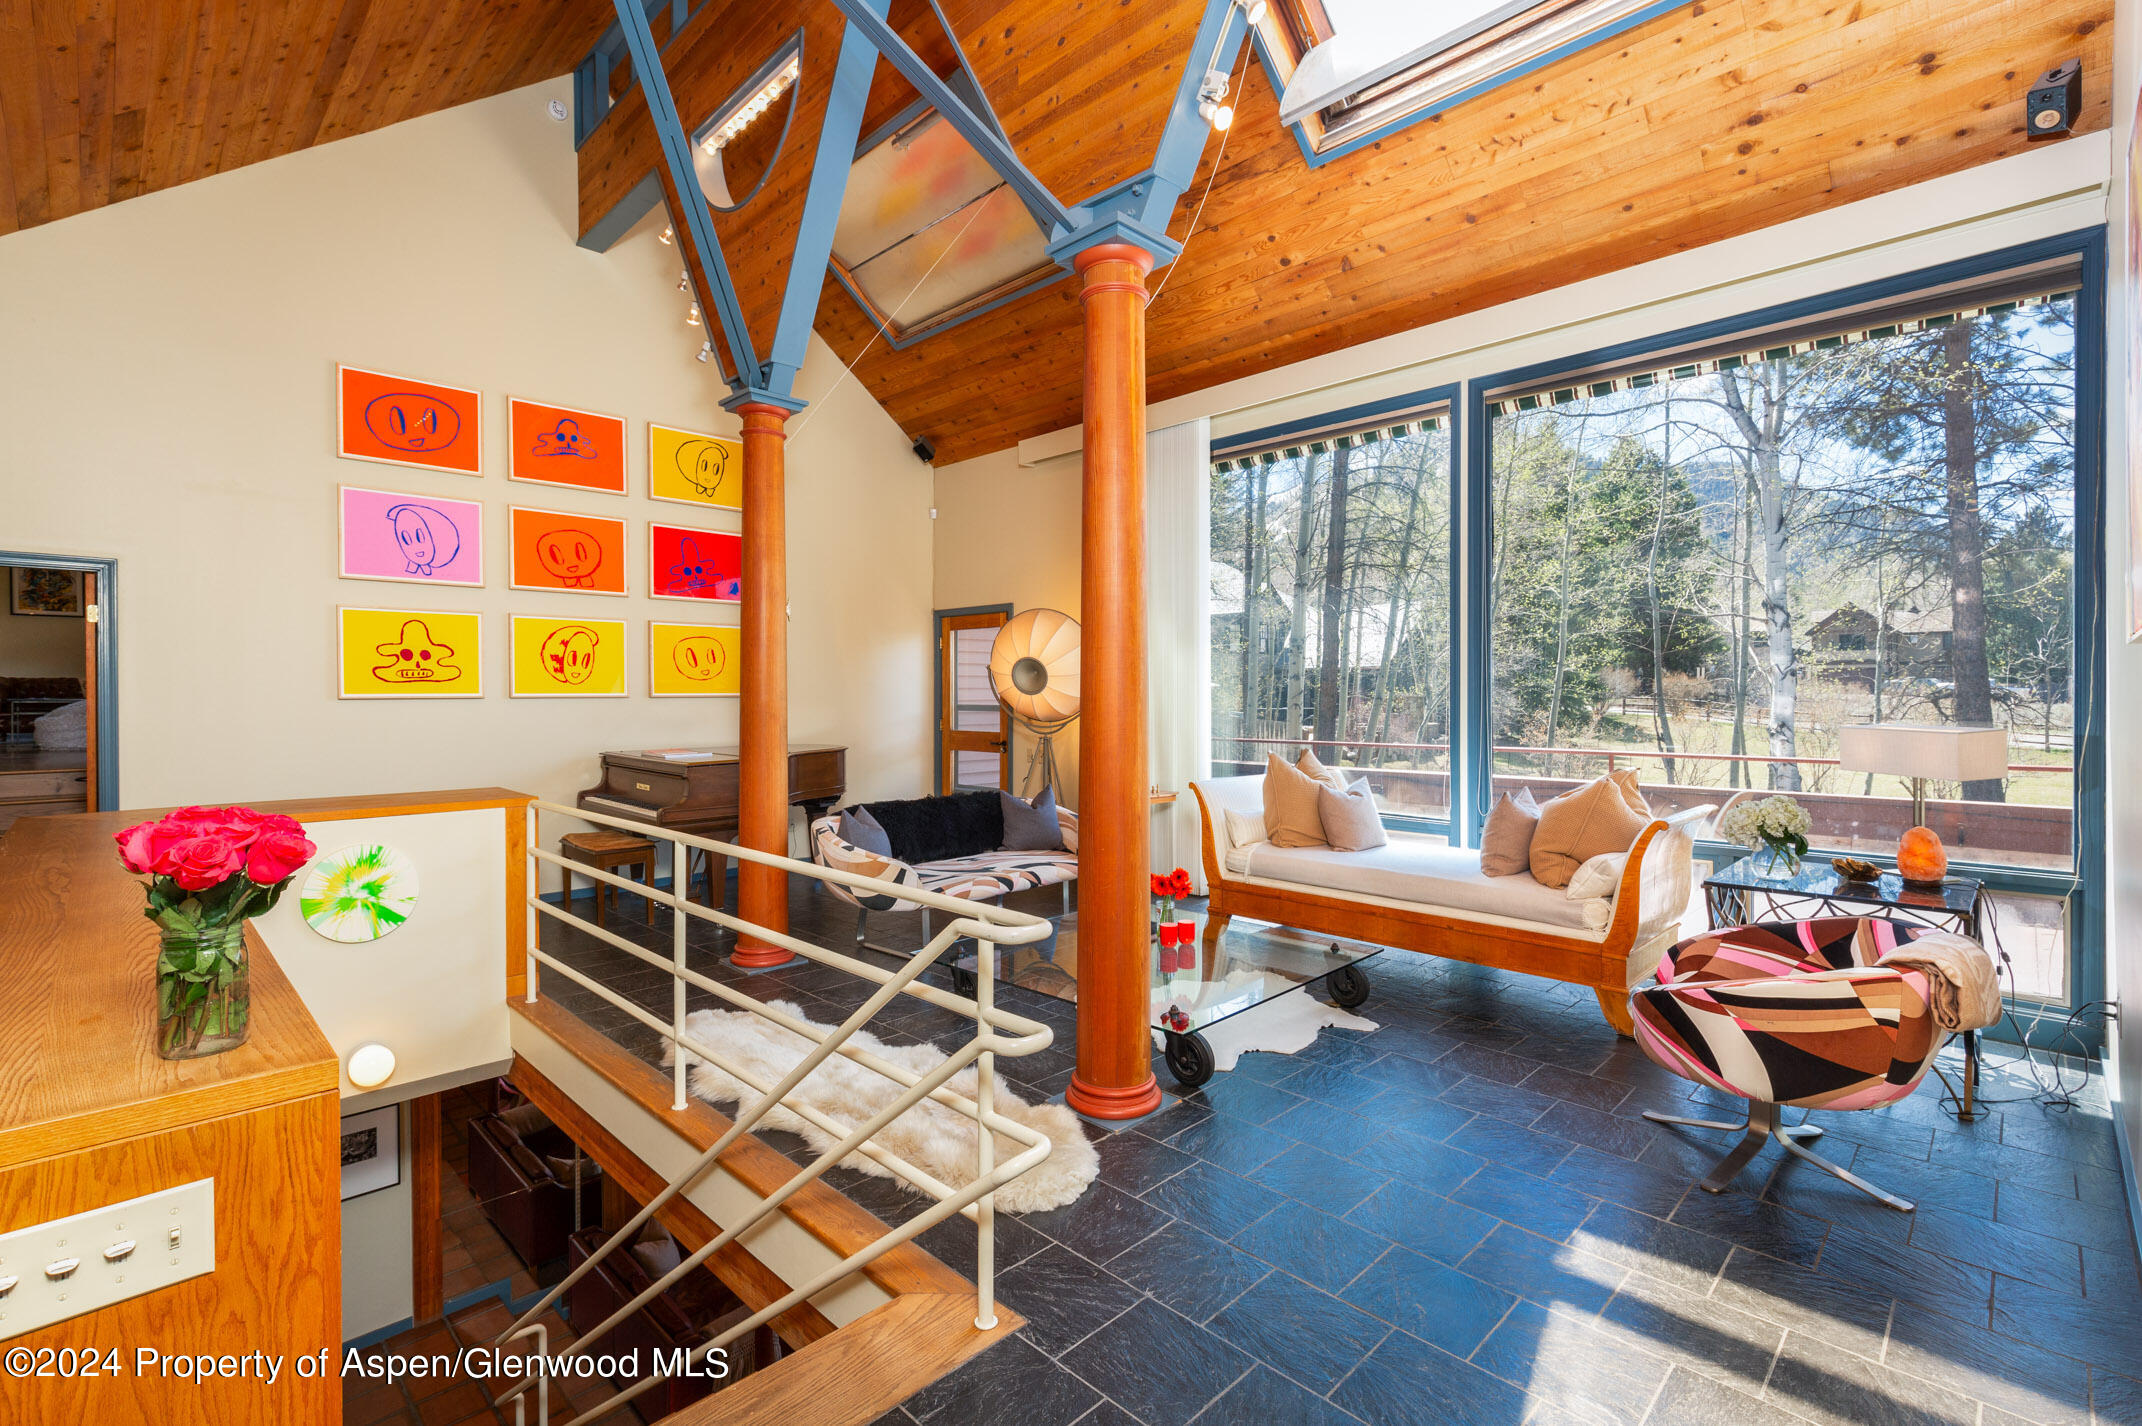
(762, 717)
(1114, 1075)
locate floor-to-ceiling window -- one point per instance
(1701, 557)
(1704, 562)
(1331, 600)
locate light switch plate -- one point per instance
(173, 1237)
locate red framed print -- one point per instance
(398, 420)
(688, 563)
(558, 549)
(559, 445)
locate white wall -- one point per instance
(379, 1252)
(168, 383)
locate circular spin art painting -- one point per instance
(359, 893)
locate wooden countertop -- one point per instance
(78, 1061)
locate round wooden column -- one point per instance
(762, 718)
(1114, 1075)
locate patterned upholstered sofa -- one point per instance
(956, 855)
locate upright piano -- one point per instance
(701, 797)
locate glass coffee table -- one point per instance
(1247, 965)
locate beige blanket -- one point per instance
(1960, 978)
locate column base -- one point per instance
(747, 956)
(1111, 1102)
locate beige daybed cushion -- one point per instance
(1506, 840)
(1290, 814)
(1419, 869)
(1604, 815)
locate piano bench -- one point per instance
(611, 851)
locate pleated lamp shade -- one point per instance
(1033, 666)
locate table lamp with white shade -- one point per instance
(1944, 752)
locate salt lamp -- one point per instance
(1920, 857)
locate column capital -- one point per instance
(1109, 230)
(766, 400)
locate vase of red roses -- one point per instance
(1174, 937)
(209, 868)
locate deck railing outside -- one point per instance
(996, 1032)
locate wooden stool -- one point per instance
(609, 851)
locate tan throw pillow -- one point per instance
(1582, 823)
(1290, 816)
(1631, 793)
(1351, 821)
(1331, 777)
(1506, 840)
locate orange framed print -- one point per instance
(401, 421)
(558, 445)
(694, 469)
(409, 653)
(567, 658)
(557, 549)
(694, 660)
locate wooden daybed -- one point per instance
(1512, 923)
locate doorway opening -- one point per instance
(973, 728)
(58, 732)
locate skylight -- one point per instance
(1388, 58)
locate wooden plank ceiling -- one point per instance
(1718, 118)
(105, 99)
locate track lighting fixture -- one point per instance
(706, 353)
(1252, 9)
(668, 235)
(1212, 103)
(684, 282)
(691, 318)
(741, 117)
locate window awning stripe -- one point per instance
(1326, 442)
(1557, 394)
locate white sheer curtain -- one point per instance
(1178, 535)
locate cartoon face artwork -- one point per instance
(416, 657)
(565, 439)
(572, 556)
(704, 466)
(426, 538)
(699, 658)
(694, 572)
(568, 653)
(412, 421)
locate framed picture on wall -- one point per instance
(692, 468)
(411, 539)
(567, 658)
(371, 1151)
(561, 550)
(50, 593)
(400, 421)
(409, 653)
(684, 563)
(694, 660)
(558, 445)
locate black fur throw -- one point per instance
(936, 829)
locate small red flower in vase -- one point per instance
(1171, 934)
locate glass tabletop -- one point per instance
(1247, 965)
(1817, 877)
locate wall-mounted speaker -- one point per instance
(2053, 102)
(924, 451)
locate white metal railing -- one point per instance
(996, 1032)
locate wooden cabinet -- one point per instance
(89, 1116)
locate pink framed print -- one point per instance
(401, 538)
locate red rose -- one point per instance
(142, 847)
(277, 853)
(204, 861)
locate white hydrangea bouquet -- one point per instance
(1776, 824)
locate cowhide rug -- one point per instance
(936, 1139)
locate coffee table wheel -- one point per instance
(1189, 1059)
(1349, 987)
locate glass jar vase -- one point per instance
(203, 992)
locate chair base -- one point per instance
(1765, 1123)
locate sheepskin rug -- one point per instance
(934, 1138)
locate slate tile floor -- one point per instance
(1460, 1217)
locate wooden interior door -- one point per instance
(973, 730)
